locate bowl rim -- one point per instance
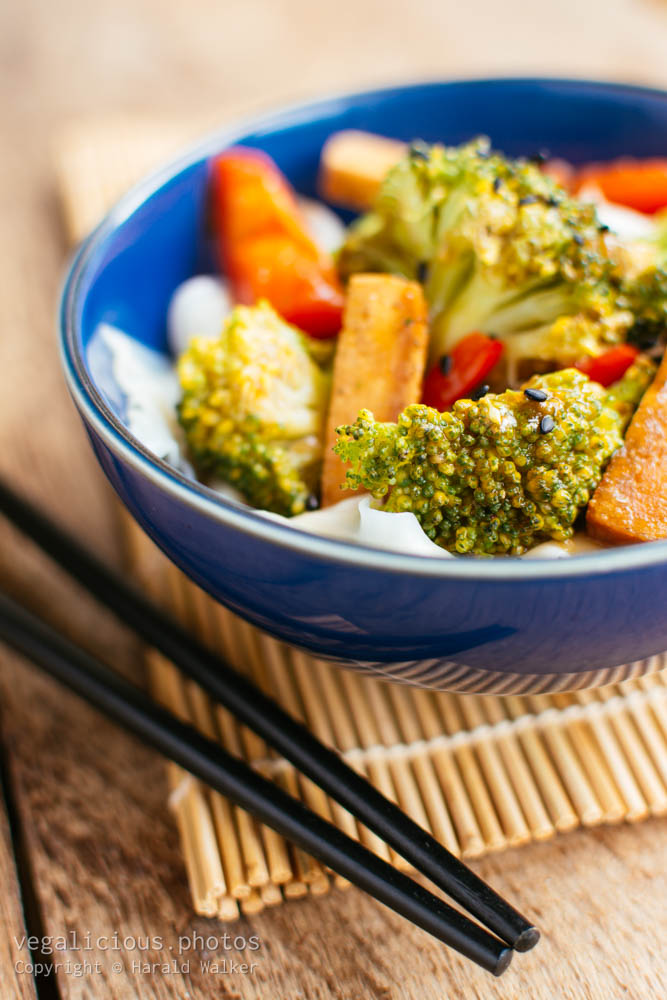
(217, 508)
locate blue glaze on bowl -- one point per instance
(467, 624)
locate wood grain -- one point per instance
(11, 919)
(91, 802)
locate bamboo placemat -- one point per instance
(481, 773)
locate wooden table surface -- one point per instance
(87, 846)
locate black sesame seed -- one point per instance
(480, 391)
(445, 364)
(578, 239)
(546, 424)
(528, 199)
(422, 271)
(603, 228)
(645, 334)
(497, 181)
(418, 150)
(312, 503)
(541, 156)
(552, 202)
(537, 395)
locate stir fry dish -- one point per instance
(481, 347)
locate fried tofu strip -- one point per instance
(379, 363)
(354, 164)
(630, 503)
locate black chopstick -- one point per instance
(129, 706)
(280, 730)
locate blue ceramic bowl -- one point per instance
(465, 624)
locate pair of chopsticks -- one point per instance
(128, 705)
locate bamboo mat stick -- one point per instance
(653, 790)
(316, 716)
(187, 799)
(518, 768)
(256, 751)
(207, 888)
(379, 769)
(424, 771)
(228, 844)
(196, 853)
(271, 894)
(306, 873)
(199, 828)
(288, 867)
(576, 781)
(304, 877)
(500, 784)
(282, 686)
(314, 877)
(223, 815)
(467, 829)
(563, 816)
(346, 739)
(256, 867)
(232, 857)
(252, 904)
(96, 160)
(659, 708)
(485, 812)
(652, 736)
(379, 707)
(636, 807)
(594, 763)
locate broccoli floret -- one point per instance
(496, 475)
(501, 249)
(253, 408)
(646, 296)
(624, 395)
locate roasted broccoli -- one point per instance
(501, 248)
(499, 474)
(646, 296)
(624, 395)
(253, 408)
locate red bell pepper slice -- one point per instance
(609, 367)
(639, 184)
(265, 248)
(302, 288)
(253, 198)
(456, 375)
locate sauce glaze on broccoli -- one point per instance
(500, 474)
(502, 249)
(253, 408)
